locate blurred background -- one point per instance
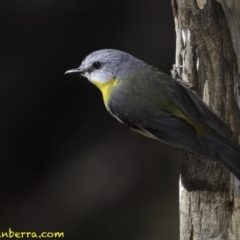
(65, 164)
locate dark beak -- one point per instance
(74, 71)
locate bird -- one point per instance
(158, 106)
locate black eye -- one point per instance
(96, 65)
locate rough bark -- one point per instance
(208, 59)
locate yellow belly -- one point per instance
(146, 134)
(105, 88)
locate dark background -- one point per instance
(65, 164)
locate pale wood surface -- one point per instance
(208, 59)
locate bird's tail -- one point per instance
(228, 152)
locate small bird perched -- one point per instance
(158, 106)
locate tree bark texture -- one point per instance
(208, 60)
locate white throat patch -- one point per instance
(99, 76)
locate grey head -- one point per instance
(104, 65)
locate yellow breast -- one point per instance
(105, 88)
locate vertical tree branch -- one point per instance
(207, 58)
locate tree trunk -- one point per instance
(208, 59)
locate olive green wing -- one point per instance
(192, 106)
(149, 108)
(166, 128)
